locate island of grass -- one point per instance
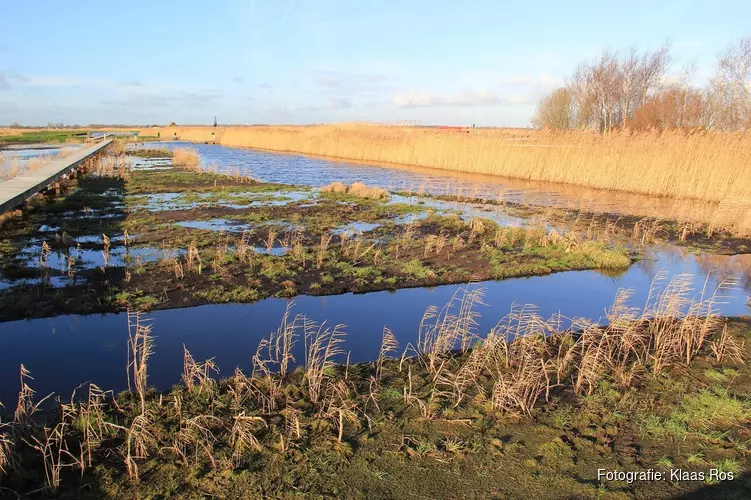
(151, 238)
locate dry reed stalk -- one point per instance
(195, 435)
(44, 254)
(377, 257)
(178, 269)
(441, 330)
(430, 242)
(197, 376)
(292, 424)
(242, 438)
(194, 258)
(389, 344)
(323, 247)
(270, 240)
(242, 246)
(322, 345)
(457, 242)
(140, 348)
(519, 360)
(91, 419)
(339, 407)
(476, 227)
(274, 355)
(8, 460)
(727, 347)
(53, 448)
(71, 266)
(138, 440)
(25, 407)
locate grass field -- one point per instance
(59, 136)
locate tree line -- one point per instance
(634, 90)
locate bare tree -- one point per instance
(731, 87)
(606, 92)
(555, 111)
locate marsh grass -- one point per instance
(453, 378)
(186, 158)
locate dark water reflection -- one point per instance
(65, 351)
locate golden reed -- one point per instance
(700, 165)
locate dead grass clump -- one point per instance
(357, 189)
(335, 187)
(323, 345)
(186, 158)
(362, 191)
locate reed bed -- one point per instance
(700, 165)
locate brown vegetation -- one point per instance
(357, 189)
(186, 158)
(704, 165)
(524, 362)
(629, 90)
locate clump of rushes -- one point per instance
(186, 158)
(357, 189)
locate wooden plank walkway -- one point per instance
(15, 191)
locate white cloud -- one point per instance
(464, 98)
(543, 79)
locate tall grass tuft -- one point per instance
(186, 158)
(357, 189)
(322, 346)
(140, 349)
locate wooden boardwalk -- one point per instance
(15, 191)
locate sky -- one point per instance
(326, 61)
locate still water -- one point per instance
(65, 351)
(312, 171)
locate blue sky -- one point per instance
(323, 61)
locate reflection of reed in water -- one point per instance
(726, 266)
